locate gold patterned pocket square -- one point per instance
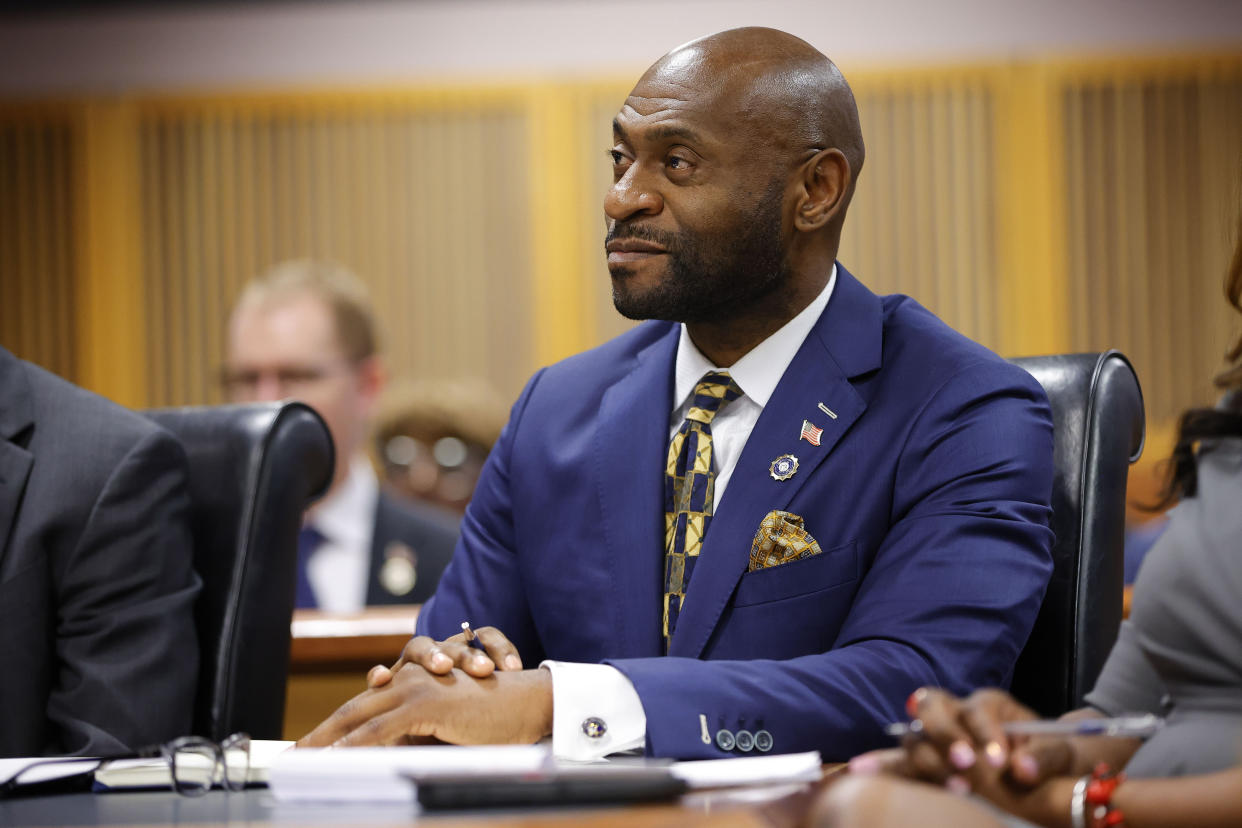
(781, 539)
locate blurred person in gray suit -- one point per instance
(306, 331)
(97, 588)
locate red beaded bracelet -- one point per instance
(1099, 796)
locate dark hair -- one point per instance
(1199, 424)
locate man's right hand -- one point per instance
(440, 657)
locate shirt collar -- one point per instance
(344, 517)
(758, 372)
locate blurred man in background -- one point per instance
(305, 331)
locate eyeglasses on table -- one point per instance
(195, 764)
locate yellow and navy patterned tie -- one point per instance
(689, 488)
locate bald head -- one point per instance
(779, 85)
(734, 159)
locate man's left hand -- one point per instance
(507, 707)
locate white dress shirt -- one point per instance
(341, 566)
(582, 691)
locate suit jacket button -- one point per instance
(724, 739)
(745, 741)
(594, 727)
(763, 741)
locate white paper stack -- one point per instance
(380, 774)
(751, 770)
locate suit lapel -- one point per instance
(844, 343)
(15, 461)
(631, 435)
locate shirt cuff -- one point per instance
(595, 711)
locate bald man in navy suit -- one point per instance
(762, 519)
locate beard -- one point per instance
(710, 278)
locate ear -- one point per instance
(371, 380)
(825, 179)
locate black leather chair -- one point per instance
(1097, 411)
(253, 471)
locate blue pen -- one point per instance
(471, 637)
(1137, 726)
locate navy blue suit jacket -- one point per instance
(929, 496)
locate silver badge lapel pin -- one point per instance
(783, 467)
(828, 411)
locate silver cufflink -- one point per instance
(594, 727)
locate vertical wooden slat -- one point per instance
(551, 159)
(231, 256)
(112, 329)
(212, 271)
(24, 296)
(1031, 206)
(153, 271)
(62, 247)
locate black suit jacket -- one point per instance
(407, 529)
(97, 591)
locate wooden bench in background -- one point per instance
(330, 657)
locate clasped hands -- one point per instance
(445, 691)
(964, 746)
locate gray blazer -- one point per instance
(97, 591)
(1180, 652)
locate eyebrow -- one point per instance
(658, 133)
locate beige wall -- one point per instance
(283, 44)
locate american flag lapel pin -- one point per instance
(810, 433)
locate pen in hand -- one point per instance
(472, 638)
(1138, 726)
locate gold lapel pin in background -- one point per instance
(399, 574)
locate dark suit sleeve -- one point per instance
(483, 584)
(948, 599)
(126, 647)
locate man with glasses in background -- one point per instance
(305, 331)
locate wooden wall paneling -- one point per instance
(920, 222)
(25, 297)
(194, 275)
(1159, 162)
(60, 207)
(110, 321)
(1037, 207)
(1032, 282)
(150, 154)
(984, 200)
(10, 280)
(553, 159)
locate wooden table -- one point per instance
(331, 654)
